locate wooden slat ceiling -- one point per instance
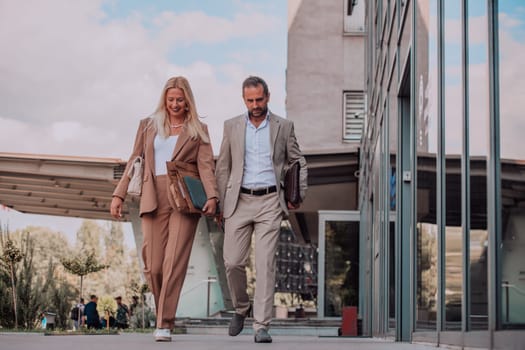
(82, 186)
(59, 185)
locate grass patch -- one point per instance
(21, 330)
(83, 332)
(176, 330)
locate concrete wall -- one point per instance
(323, 62)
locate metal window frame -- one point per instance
(493, 176)
(465, 173)
(440, 175)
(324, 216)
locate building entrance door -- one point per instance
(338, 278)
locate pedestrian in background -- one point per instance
(123, 314)
(91, 313)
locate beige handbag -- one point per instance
(136, 174)
(136, 171)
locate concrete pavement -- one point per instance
(141, 341)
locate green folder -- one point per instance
(196, 191)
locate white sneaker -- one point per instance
(162, 334)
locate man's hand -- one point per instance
(291, 206)
(219, 220)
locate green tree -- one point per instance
(115, 258)
(140, 289)
(11, 256)
(58, 295)
(6, 309)
(133, 274)
(30, 286)
(38, 278)
(89, 237)
(82, 265)
(42, 283)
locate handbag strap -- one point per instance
(144, 137)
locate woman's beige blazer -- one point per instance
(186, 149)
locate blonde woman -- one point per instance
(172, 132)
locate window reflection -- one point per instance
(392, 275)
(427, 275)
(478, 150)
(426, 141)
(512, 123)
(341, 266)
(453, 130)
(392, 106)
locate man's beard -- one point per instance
(264, 111)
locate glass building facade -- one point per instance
(442, 173)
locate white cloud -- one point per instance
(476, 29)
(512, 104)
(76, 82)
(198, 27)
(511, 84)
(508, 21)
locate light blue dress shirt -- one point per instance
(258, 165)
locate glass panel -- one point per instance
(341, 266)
(512, 123)
(392, 277)
(453, 147)
(376, 231)
(478, 104)
(383, 207)
(404, 43)
(426, 143)
(392, 137)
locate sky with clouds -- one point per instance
(511, 42)
(77, 76)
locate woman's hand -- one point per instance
(210, 207)
(116, 207)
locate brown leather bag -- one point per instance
(178, 194)
(292, 192)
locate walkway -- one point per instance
(138, 341)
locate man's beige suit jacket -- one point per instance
(230, 164)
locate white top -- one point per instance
(163, 152)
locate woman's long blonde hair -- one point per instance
(161, 118)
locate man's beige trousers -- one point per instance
(262, 216)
